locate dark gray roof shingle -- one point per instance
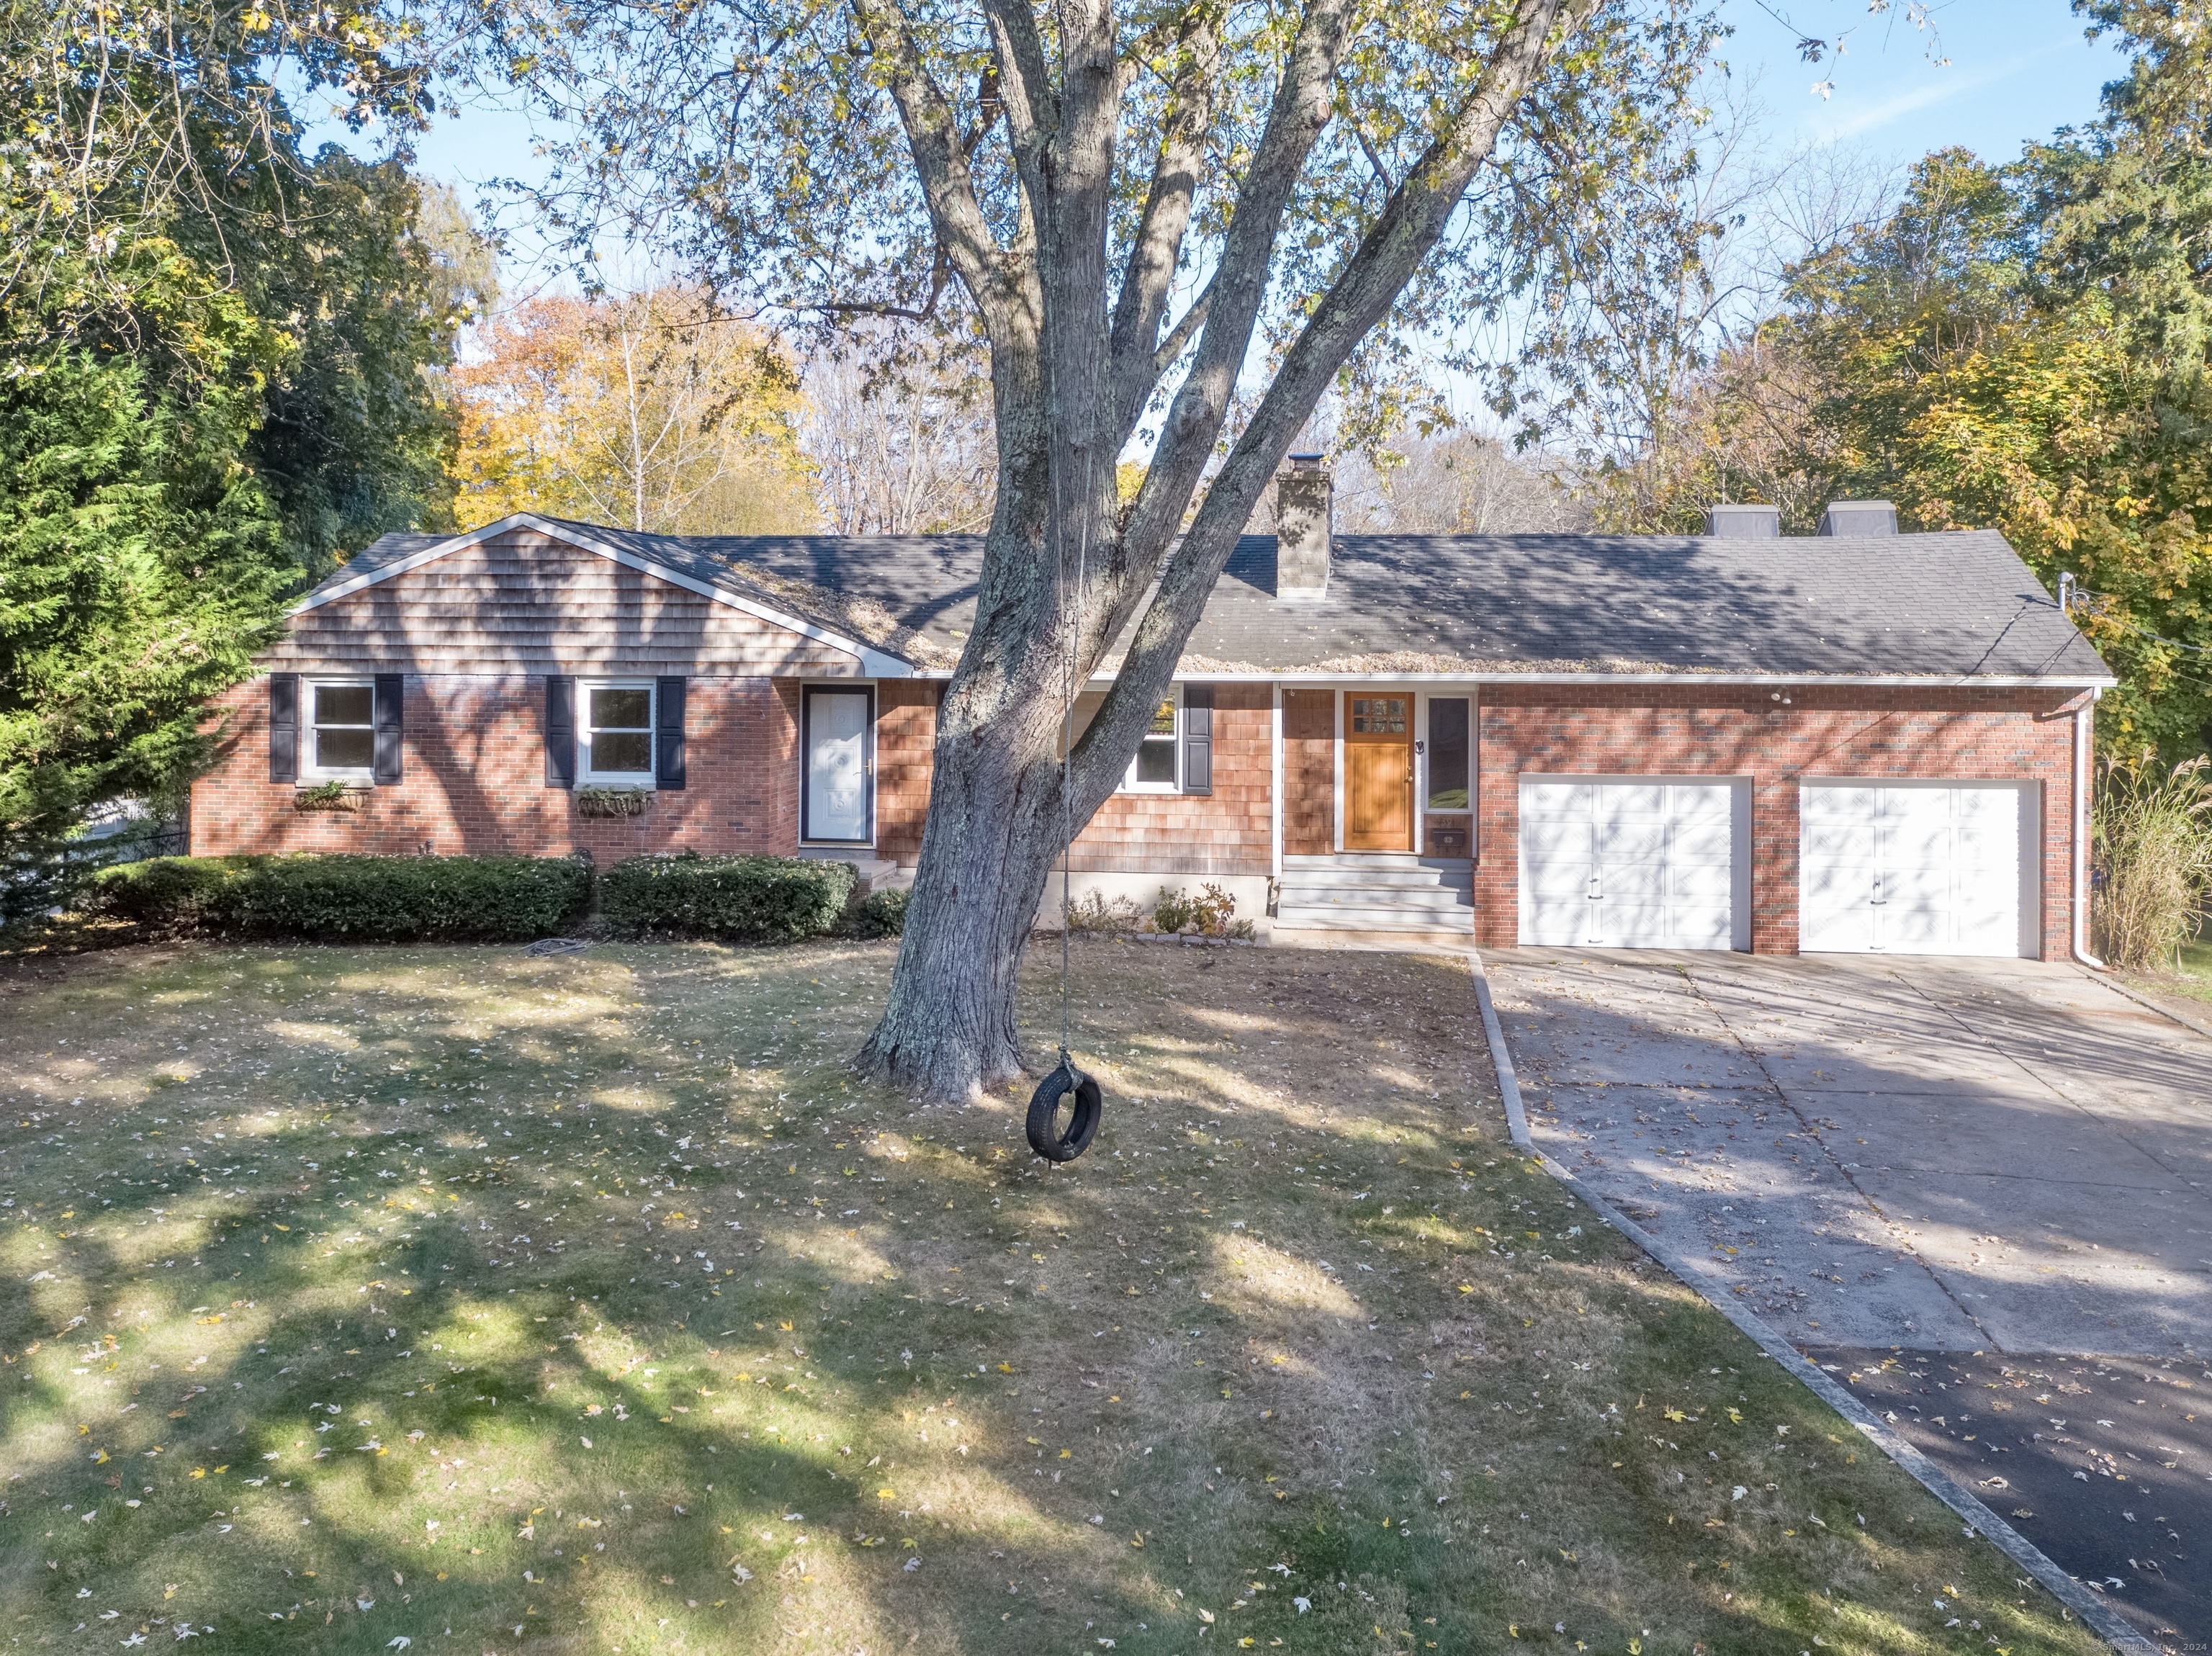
(1958, 605)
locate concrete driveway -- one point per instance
(1979, 1193)
(1940, 1154)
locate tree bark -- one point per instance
(1064, 572)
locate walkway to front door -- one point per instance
(1378, 773)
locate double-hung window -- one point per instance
(341, 730)
(1156, 767)
(616, 735)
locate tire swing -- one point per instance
(1068, 1094)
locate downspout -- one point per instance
(2083, 716)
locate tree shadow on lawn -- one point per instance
(936, 1399)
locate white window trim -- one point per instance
(1129, 783)
(585, 776)
(309, 772)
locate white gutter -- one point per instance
(2082, 717)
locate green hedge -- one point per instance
(349, 899)
(878, 914)
(729, 899)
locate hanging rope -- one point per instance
(1067, 1086)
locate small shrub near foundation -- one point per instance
(345, 898)
(1210, 913)
(727, 899)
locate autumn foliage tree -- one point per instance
(2022, 348)
(656, 411)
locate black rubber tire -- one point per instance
(1044, 1114)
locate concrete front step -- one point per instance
(1375, 871)
(1430, 902)
(1384, 917)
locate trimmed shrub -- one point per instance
(878, 914)
(729, 899)
(347, 899)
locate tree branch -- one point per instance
(939, 158)
(1408, 228)
(1156, 250)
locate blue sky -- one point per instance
(2018, 69)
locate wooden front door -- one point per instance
(1378, 773)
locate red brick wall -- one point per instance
(1928, 734)
(1230, 831)
(474, 779)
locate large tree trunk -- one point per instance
(1065, 570)
(993, 836)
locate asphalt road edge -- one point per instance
(1930, 1476)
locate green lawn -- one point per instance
(457, 1300)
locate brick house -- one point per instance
(1858, 740)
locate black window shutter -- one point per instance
(1198, 739)
(668, 736)
(284, 727)
(391, 693)
(560, 730)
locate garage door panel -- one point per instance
(1703, 926)
(1697, 804)
(1627, 924)
(1996, 846)
(1840, 842)
(1700, 883)
(1560, 799)
(1555, 920)
(1654, 866)
(1700, 843)
(1621, 884)
(1629, 802)
(1826, 803)
(1909, 869)
(1631, 842)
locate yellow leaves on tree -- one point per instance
(657, 412)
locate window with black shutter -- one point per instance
(1198, 739)
(284, 727)
(391, 735)
(668, 733)
(560, 730)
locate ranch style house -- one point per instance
(1858, 740)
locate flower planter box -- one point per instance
(333, 797)
(612, 801)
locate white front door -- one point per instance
(1906, 870)
(836, 802)
(1632, 864)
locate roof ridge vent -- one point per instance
(1744, 523)
(1859, 518)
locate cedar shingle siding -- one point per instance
(526, 604)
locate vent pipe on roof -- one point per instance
(1744, 523)
(1304, 527)
(1859, 518)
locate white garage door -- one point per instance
(1911, 870)
(1630, 864)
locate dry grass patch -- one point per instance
(589, 1303)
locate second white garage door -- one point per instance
(1622, 863)
(1912, 870)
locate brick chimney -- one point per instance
(1304, 526)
